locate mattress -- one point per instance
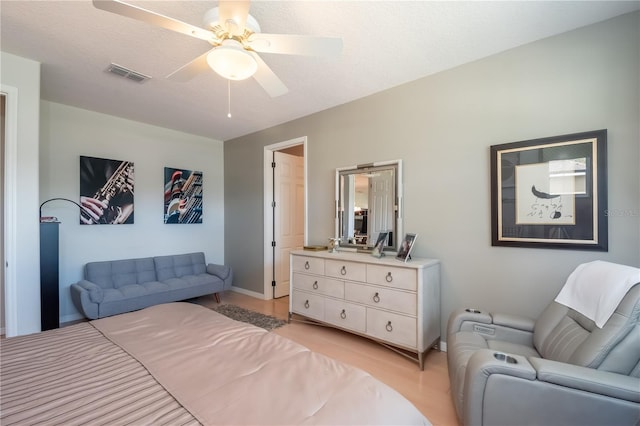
(181, 363)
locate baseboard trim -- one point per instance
(248, 293)
(443, 346)
(71, 317)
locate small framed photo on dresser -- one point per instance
(378, 249)
(404, 253)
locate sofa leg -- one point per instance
(217, 295)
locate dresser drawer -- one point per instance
(345, 315)
(346, 270)
(318, 284)
(380, 297)
(311, 265)
(307, 304)
(402, 278)
(393, 328)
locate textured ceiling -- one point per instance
(386, 43)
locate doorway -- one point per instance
(8, 205)
(3, 102)
(285, 211)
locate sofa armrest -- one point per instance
(96, 295)
(225, 273)
(588, 379)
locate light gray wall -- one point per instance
(67, 133)
(442, 127)
(23, 289)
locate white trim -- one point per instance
(268, 197)
(10, 209)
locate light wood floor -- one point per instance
(428, 390)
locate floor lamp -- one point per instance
(49, 269)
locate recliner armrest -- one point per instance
(587, 379)
(514, 321)
(511, 328)
(460, 316)
(481, 366)
(96, 295)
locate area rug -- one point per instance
(241, 314)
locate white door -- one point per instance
(288, 195)
(381, 201)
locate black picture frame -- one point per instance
(551, 192)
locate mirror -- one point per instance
(368, 201)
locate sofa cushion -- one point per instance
(178, 266)
(120, 273)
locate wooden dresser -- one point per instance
(394, 303)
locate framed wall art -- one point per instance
(551, 192)
(106, 191)
(182, 196)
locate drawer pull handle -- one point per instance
(306, 265)
(389, 327)
(306, 304)
(376, 298)
(389, 278)
(315, 285)
(343, 314)
(343, 271)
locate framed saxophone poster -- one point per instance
(182, 196)
(106, 191)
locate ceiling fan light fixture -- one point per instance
(232, 61)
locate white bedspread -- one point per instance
(596, 288)
(227, 372)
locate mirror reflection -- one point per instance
(368, 199)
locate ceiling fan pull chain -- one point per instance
(229, 97)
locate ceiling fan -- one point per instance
(236, 39)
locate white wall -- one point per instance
(68, 133)
(442, 127)
(23, 290)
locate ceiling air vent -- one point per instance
(127, 73)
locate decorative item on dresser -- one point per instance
(394, 303)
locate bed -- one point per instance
(183, 364)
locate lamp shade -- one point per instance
(232, 61)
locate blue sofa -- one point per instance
(118, 286)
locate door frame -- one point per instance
(10, 209)
(267, 208)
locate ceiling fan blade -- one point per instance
(234, 14)
(296, 44)
(190, 70)
(120, 8)
(268, 79)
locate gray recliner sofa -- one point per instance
(118, 286)
(558, 370)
